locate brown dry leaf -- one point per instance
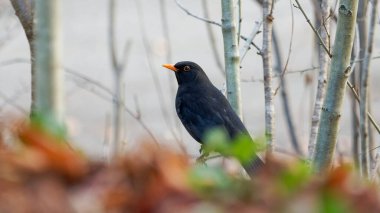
(338, 177)
(60, 156)
(150, 177)
(30, 160)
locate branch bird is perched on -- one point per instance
(201, 107)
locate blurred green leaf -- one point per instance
(216, 140)
(207, 180)
(242, 148)
(215, 183)
(295, 177)
(49, 124)
(331, 203)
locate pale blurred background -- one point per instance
(86, 50)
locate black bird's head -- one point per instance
(187, 72)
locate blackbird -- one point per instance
(201, 107)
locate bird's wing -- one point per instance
(231, 120)
(204, 112)
(198, 116)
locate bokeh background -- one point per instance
(149, 88)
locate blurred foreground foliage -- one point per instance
(40, 174)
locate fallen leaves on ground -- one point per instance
(43, 174)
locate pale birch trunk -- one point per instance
(48, 70)
(336, 85)
(364, 81)
(268, 73)
(24, 10)
(231, 55)
(322, 75)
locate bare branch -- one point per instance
(247, 45)
(210, 22)
(312, 27)
(212, 39)
(109, 97)
(195, 16)
(11, 101)
(284, 96)
(289, 50)
(156, 82)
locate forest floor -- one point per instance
(42, 174)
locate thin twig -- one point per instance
(212, 39)
(289, 50)
(247, 45)
(239, 20)
(10, 101)
(172, 84)
(284, 95)
(195, 16)
(368, 114)
(108, 97)
(210, 22)
(313, 28)
(254, 80)
(106, 138)
(327, 51)
(156, 82)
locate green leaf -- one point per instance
(295, 177)
(243, 149)
(49, 124)
(331, 203)
(216, 140)
(207, 180)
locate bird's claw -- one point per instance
(203, 158)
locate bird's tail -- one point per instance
(254, 166)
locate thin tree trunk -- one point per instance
(354, 106)
(336, 85)
(371, 136)
(322, 75)
(169, 58)
(364, 80)
(48, 70)
(354, 128)
(118, 72)
(284, 96)
(24, 10)
(231, 55)
(363, 39)
(267, 65)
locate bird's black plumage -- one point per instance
(202, 107)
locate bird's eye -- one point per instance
(186, 68)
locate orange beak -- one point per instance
(170, 67)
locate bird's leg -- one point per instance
(201, 149)
(204, 154)
(203, 158)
